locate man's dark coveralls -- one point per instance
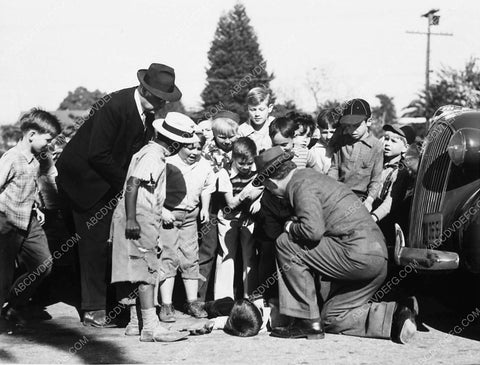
(332, 235)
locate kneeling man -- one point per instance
(331, 235)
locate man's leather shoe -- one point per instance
(411, 303)
(14, 316)
(404, 326)
(97, 319)
(311, 329)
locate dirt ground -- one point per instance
(64, 340)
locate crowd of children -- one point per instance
(190, 204)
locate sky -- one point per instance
(350, 48)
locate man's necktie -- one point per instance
(149, 130)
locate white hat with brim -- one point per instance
(178, 127)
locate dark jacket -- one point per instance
(96, 160)
(325, 207)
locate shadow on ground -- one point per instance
(6, 356)
(86, 344)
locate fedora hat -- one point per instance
(270, 160)
(177, 127)
(356, 111)
(160, 81)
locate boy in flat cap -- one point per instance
(395, 143)
(394, 182)
(346, 249)
(357, 159)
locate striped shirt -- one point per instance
(18, 186)
(230, 181)
(303, 157)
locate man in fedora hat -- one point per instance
(92, 170)
(332, 235)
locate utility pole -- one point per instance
(432, 20)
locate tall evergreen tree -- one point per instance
(236, 64)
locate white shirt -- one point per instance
(261, 137)
(136, 96)
(199, 178)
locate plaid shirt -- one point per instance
(217, 158)
(18, 186)
(358, 164)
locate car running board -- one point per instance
(422, 258)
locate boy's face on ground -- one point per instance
(356, 131)
(243, 165)
(224, 140)
(259, 113)
(302, 136)
(284, 142)
(39, 141)
(393, 144)
(190, 153)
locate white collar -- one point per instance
(136, 96)
(233, 171)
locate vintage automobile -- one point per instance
(444, 218)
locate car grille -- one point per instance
(430, 187)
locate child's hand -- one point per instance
(255, 207)
(251, 192)
(167, 217)
(368, 204)
(40, 216)
(255, 192)
(132, 230)
(204, 216)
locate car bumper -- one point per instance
(423, 258)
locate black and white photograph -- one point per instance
(239, 181)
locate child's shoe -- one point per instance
(133, 326)
(195, 309)
(161, 334)
(132, 330)
(167, 313)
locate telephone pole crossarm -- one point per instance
(432, 20)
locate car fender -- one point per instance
(469, 233)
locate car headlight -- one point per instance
(464, 147)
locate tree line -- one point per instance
(236, 64)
